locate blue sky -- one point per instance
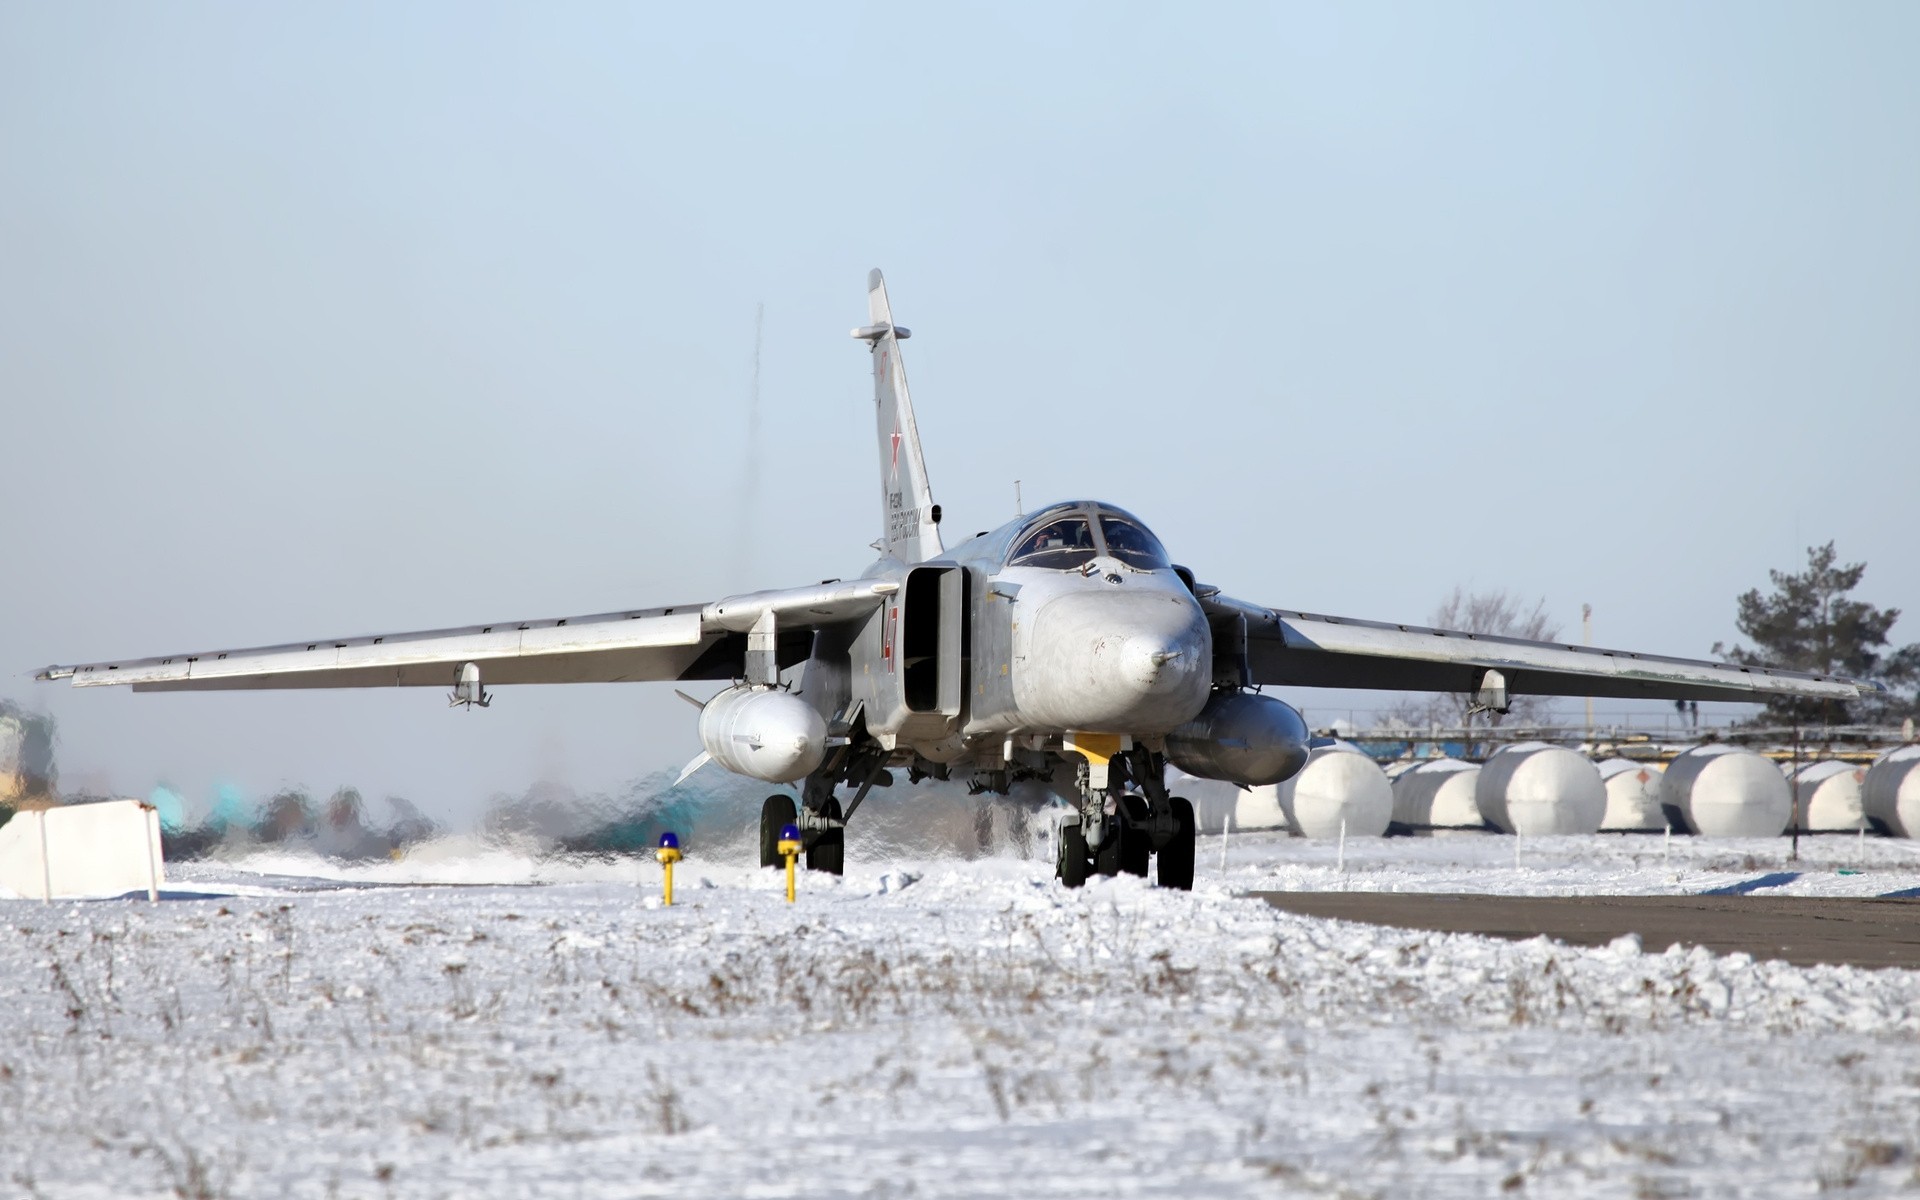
(351, 319)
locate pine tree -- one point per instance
(1811, 623)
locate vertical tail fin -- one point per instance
(910, 519)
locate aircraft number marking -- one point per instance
(902, 521)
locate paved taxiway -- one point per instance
(1881, 932)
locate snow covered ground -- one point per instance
(1604, 864)
(939, 1027)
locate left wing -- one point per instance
(1308, 650)
(686, 642)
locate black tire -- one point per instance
(1107, 857)
(1135, 845)
(1175, 864)
(1123, 849)
(776, 813)
(1072, 865)
(829, 849)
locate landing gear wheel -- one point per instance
(1135, 847)
(1175, 864)
(1125, 848)
(1107, 857)
(775, 814)
(1132, 844)
(829, 849)
(1072, 866)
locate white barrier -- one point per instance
(106, 849)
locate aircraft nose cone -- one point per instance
(1146, 664)
(1138, 664)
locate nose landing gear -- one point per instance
(1129, 842)
(1117, 829)
(1174, 868)
(1074, 859)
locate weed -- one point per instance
(665, 1104)
(194, 1176)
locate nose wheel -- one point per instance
(1071, 869)
(1127, 842)
(1174, 867)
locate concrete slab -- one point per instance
(1879, 932)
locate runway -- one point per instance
(1879, 932)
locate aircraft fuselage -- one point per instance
(1011, 637)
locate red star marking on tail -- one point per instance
(896, 447)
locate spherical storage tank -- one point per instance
(1890, 794)
(1337, 784)
(1535, 789)
(1437, 794)
(1724, 791)
(1633, 796)
(1828, 796)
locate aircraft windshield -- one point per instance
(1133, 545)
(1060, 545)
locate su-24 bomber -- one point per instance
(1064, 647)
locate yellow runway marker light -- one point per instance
(668, 854)
(789, 848)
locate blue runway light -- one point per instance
(789, 833)
(668, 854)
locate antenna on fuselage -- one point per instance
(1019, 508)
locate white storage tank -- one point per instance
(1213, 800)
(1725, 791)
(1828, 795)
(1437, 794)
(1258, 808)
(1534, 789)
(1338, 784)
(1890, 794)
(1633, 796)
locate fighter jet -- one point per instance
(1065, 646)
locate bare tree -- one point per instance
(1497, 612)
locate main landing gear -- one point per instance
(824, 834)
(1117, 828)
(819, 817)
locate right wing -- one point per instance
(685, 642)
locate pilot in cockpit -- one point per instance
(1058, 544)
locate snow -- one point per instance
(1602, 864)
(939, 1027)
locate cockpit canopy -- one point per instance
(1068, 536)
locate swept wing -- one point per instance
(684, 642)
(1311, 650)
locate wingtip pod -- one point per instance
(52, 674)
